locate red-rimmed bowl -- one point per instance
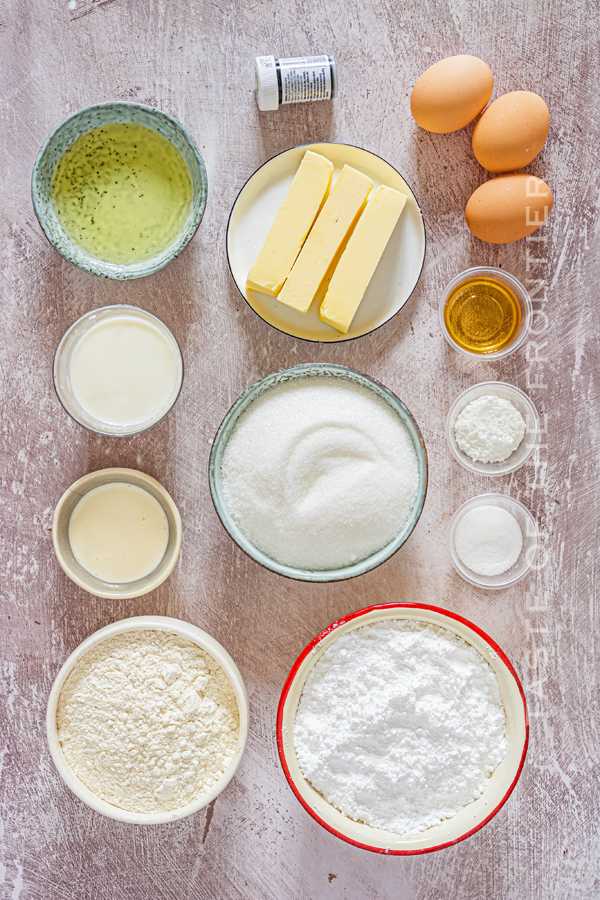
(472, 817)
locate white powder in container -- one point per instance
(148, 721)
(320, 473)
(488, 540)
(400, 725)
(489, 429)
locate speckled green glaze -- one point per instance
(66, 134)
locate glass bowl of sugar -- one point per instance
(318, 473)
(492, 428)
(493, 541)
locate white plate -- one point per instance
(254, 212)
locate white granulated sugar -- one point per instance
(148, 721)
(320, 473)
(489, 429)
(400, 725)
(488, 540)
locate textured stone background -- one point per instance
(194, 60)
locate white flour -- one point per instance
(489, 429)
(400, 724)
(148, 721)
(320, 473)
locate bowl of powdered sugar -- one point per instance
(147, 720)
(492, 428)
(319, 472)
(402, 728)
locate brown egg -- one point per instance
(511, 132)
(451, 93)
(508, 208)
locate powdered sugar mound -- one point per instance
(400, 725)
(148, 721)
(320, 473)
(489, 429)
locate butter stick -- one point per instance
(340, 211)
(361, 257)
(292, 224)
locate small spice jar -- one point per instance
(296, 80)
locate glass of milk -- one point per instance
(118, 370)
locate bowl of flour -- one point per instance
(402, 728)
(318, 472)
(147, 720)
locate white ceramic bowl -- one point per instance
(529, 551)
(254, 212)
(468, 820)
(66, 557)
(146, 623)
(519, 400)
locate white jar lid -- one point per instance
(267, 89)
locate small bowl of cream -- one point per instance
(117, 533)
(119, 189)
(319, 472)
(118, 370)
(492, 428)
(147, 720)
(402, 728)
(493, 541)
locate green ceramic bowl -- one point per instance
(314, 370)
(66, 134)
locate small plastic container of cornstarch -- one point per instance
(297, 80)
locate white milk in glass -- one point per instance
(124, 371)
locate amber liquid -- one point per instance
(482, 315)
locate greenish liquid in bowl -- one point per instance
(122, 192)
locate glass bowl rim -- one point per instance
(57, 357)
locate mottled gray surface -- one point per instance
(194, 60)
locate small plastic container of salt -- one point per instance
(493, 541)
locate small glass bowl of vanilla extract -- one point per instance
(485, 312)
